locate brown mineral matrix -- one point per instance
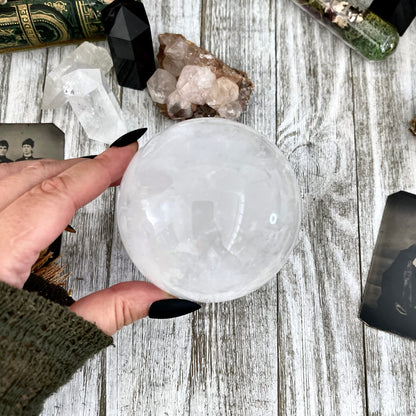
(219, 95)
(412, 126)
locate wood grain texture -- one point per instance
(236, 370)
(143, 373)
(296, 346)
(384, 102)
(321, 366)
(87, 254)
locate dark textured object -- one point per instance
(389, 301)
(48, 290)
(130, 40)
(400, 13)
(412, 126)
(171, 308)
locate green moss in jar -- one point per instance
(375, 40)
(365, 32)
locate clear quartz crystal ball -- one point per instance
(209, 210)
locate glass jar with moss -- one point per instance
(363, 30)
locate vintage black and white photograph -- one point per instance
(30, 141)
(390, 294)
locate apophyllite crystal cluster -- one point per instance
(191, 82)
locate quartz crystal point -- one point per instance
(130, 40)
(205, 86)
(178, 107)
(94, 104)
(195, 83)
(86, 55)
(223, 91)
(161, 85)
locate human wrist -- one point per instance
(13, 280)
(47, 341)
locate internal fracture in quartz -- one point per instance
(191, 82)
(94, 104)
(86, 55)
(80, 80)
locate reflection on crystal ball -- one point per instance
(209, 210)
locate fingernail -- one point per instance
(171, 308)
(70, 228)
(129, 138)
(89, 157)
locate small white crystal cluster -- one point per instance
(191, 82)
(79, 80)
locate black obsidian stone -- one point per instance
(400, 13)
(128, 34)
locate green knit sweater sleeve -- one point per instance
(42, 344)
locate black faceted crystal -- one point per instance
(128, 33)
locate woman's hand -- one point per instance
(39, 199)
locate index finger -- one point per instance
(36, 218)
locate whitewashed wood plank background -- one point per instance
(296, 346)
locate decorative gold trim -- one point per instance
(86, 15)
(26, 25)
(51, 19)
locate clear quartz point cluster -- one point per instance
(191, 82)
(94, 104)
(79, 80)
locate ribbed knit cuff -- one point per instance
(42, 344)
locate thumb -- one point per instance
(120, 305)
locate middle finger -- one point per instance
(29, 175)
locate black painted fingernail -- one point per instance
(70, 228)
(171, 308)
(128, 138)
(89, 157)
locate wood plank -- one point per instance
(23, 86)
(148, 371)
(296, 346)
(320, 338)
(89, 265)
(234, 363)
(5, 63)
(384, 102)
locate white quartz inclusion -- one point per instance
(94, 104)
(209, 210)
(195, 83)
(86, 55)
